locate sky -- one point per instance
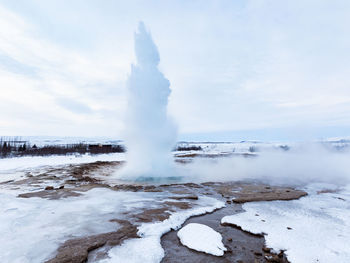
(239, 70)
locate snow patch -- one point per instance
(202, 238)
(315, 228)
(148, 248)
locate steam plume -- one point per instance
(150, 133)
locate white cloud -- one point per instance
(59, 87)
(233, 65)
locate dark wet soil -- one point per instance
(72, 179)
(259, 192)
(77, 250)
(241, 246)
(50, 194)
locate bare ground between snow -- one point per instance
(56, 183)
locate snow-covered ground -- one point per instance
(315, 228)
(230, 147)
(32, 229)
(22, 163)
(202, 238)
(148, 248)
(261, 147)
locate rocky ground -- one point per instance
(73, 180)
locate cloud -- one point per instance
(12, 65)
(48, 82)
(73, 105)
(233, 66)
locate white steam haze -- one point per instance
(303, 164)
(150, 133)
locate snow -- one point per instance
(202, 238)
(8, 164)
(244, 147)
(32, 229)
(227, 147)
(148, 248)
(15, 175)
(319, 225)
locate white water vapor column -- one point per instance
(150, 133)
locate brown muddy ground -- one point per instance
(241, 246)
(77, 250)
(73, 180)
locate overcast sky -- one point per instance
(238, 69)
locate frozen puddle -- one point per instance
(148, 248)
(202, 238)
(315, 228)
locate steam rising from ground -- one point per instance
(303, 164)
(150, 134)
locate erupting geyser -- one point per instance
(150, 134)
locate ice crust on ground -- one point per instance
(319, 225)
(31, 229)
(202, 238)
(148, 248)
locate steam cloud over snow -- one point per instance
(304, 163)
(150, 134)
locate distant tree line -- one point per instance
(15, 147)
(188, 148)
